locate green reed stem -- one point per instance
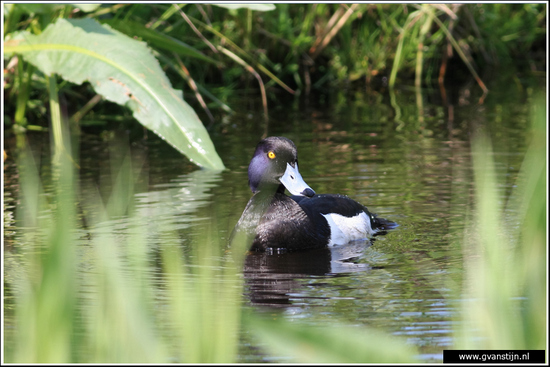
(55, 115)
(25, 77)
(429, 11)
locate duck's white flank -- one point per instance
(345, 229)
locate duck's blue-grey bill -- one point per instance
(294, 183)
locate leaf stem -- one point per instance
(55, 115)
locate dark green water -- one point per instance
(407, 160)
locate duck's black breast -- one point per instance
(285, 225)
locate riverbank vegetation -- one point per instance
(210, 51)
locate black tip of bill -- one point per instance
(294, 182)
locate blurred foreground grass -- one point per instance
(90, 295)
(504, 297)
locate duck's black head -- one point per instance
(274, 166)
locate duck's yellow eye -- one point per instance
(271, 155)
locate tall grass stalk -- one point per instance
(422, 37)
(504, 300)
(100, 298)
(46, 302)
(204, 300)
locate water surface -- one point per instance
(407, 160)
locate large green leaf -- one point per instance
(124, 71)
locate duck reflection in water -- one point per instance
(274, 279)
